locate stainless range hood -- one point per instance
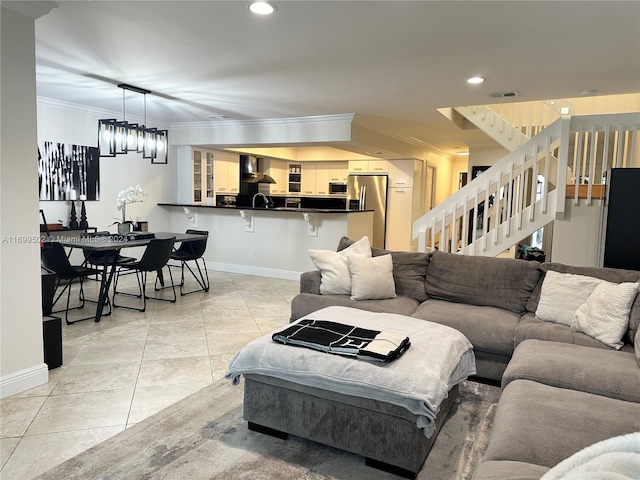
(250, 170)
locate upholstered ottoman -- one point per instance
(390, 413)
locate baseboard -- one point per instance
(24, 380)
(258, 271)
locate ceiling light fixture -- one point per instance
(463, 153)
(121, 137)
(261, 8)
(475, 80)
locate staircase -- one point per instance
(526, 189)
(513, 124)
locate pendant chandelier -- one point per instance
(121, 137)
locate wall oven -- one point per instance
(337, 188)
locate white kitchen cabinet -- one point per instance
(226, 173)
(195, 174)
(278, 170)
(323, 173)
(338, 172)
(401, 173)
(399, 219)
(368, 166)
(308, 180)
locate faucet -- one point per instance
(267, 202)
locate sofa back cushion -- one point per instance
(614, 275)
(409, 270)
(496, 282)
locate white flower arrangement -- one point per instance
(127, 196)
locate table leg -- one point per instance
(107, 278)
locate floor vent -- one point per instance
(503, 94)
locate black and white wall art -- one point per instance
(68, 172)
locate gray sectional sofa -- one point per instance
(562, 390)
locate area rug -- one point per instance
(204, 437)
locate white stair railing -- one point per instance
(526, 189)
(512, 124)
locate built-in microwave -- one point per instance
(337, 188)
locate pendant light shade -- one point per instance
(121, 137)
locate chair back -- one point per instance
(54, 258)
(156, 255)
(93, 256)
(195, 248)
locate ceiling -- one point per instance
(393, 63)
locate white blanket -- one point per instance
(617, 458)
(439, 358)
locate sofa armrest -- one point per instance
(310, 282)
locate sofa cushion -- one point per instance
(500, 470)
(592, 370)
(543, 425)
(530, 326)
(605, 314)
(497, 282)
(636, 347)
(306, 303)
(489, 329)
(371, 278)
(409, 270)
(614, 275)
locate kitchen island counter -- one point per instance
(270, 242)
(263, 209)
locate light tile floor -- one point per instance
(133, 364)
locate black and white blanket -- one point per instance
(341, 339)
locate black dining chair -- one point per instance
(192, 252)
(154, 259)
(102, 259)
(54, 259)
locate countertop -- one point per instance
(263, 209)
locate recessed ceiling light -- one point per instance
(475, 80)
(463, 153)
(261, 8)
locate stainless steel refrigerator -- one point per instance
(369, 192)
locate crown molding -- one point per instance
(99, 112)
(35, 9)
(358, 120)
(268, 122)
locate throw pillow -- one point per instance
(371, 278)
(409, 270)
(334, 267)
(605, 314)
(562, 294)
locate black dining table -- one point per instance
(115, 243)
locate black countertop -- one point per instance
(263, 209)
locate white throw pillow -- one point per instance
(371, 278)
(605, 314)
(562, 294)
(334, 266)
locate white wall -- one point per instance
(21, 350)
(279, 243)
(68, 125)
(576, 239)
